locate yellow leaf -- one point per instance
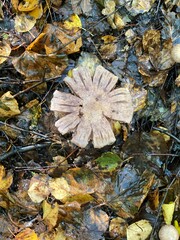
(50, 214)
(5, 180)
(28, 5)
(142, 5)
(168, 211)
(38, 189)
(74, 22)
(27, 234)
(8, 106)
(37, 44)
(59, 188)
(24, 22)
(176, 224)
(37, 12)
(139, 230)
(15, 4)
(5, 51)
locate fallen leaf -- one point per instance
(81, 6)
(59, 188)
(1, 12)
(37, 12)
(117, 228)
(139, 230)
(50, 214)
(141, 6)
(24, 22)
(39, 66)
(28, 5)
(5, 51)
(168, 211)
(64, 34)
(108, 50)
(38, 188)
(97, 222)
(108, 161)
(15, 4)
(8, 106)
(5, 180)
(27, 234)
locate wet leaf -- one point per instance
(15, 4)
(108, 161)
(59, 188)
(109, 48)
(8, 106)
(142, 5)
(38, 188)
(117, 228)
(132, 188)
(24, 22)
(139, 97)
(27, 234)
(81, 6)
(50, 214)
(139, 230)
(37, 12)
(5, 180)
(34, 65)
(88, 60)
(28, 5)
(97, 222)
(63, 34)
(5, 51)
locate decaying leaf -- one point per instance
(142, 5)
(8, 106)
(5, 51)
(50, 214)
(38, 189)
(28, 5)
(59, 188)
(97, 222)
(81, 6)
(37, 12)
(27, 234)
(113, 17)
(24, 22)
(59, 34)
(88, 60)
(108, 161)
(5, 180)
(117, 228)
(154, 59)
(109, 48)
(39, 66)
(139, 230)
(87, 113)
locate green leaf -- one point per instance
(108, 161)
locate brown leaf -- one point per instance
(35, 66)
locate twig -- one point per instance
(35, 85)
(23, 149)
(22, 129)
